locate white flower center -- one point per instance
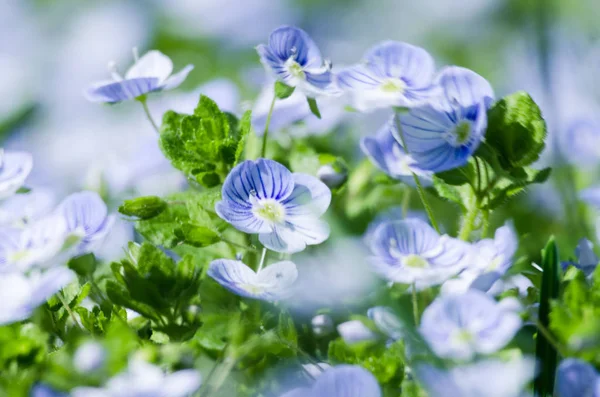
(19, 256)
(415, 261)
(251, 288)
(393, 85)
(463, 336)
(460, 134)
(495, 263)
(269, 210)
(295, 69)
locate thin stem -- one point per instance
(68, 309)
(262, 260)
(420, 189)
(485, 223)
(148, 115)
(242, 246)
(550, 338)
(263, 151)
(405, 203)
(415, 304)
(469, 222)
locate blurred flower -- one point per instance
(294, 58)
(89, 357)
(395, 213)
(489, 378)
(515, 281)
(150, 73)
(579, 142)
(35, 245)
(144, 379)
(461, 326)
(341, 381)
(272, 283)
(411, 252)
(14, 169)
(576, 378)
(389, 156)
(490, 260)
(392, 74)
(23, 209)
(444, 133)
(331, 177)
(41, 390)
(354, 331)
(386, 321)
(322, 324)
(587, 261)
(264, 197)
(86, 216)
(20, 294)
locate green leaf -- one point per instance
(197, 236)
(314, 108)
(516, 130)
(245, 128)
(283, 90)
(84, 265)
(143, 207)
(461, 195)
(458, 176)
(546, 355)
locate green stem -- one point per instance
(469, 222)
(405, 202)
(485, 217)
(548, 336)
(420, 189)
(62, 300)
(142, 100)
(265, 137)
(242, 246)
(415, 304)
(262, 260)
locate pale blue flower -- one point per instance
(389, 156)
(15, 167)
(412, 252)
(264, 197)
(489, 378)
(87, 218)
(579, 143)
(386, 321)
(462, 326)
(393, 74)
(150, 73)
(445, 133)
(33, 246)
(587, 260)
(21, 210)
(576, 378)
(294, 58)
(391, 214)
(341, 381)
(21, 294)
(490, 260)
(142, 379)
(89, 357)
(271, 283)
(41, 390)
(354, 331)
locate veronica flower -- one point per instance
(150, 73)
(144, 379)
(386, 321)
(412, 252)
(491, 259)
(86, 217)
(33, 246)
(443, 134)
(489, 378)
(264, 197)
(20, 294)
(578, 142)
(14, 169)
(21, 210)
(587, 260)
(576, 378)
(294, 58)
(271, 283)
(341, 381)
(354, 331)
(461, 326)
(392, 74)
(389, 156)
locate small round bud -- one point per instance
(322, 325)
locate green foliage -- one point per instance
(283, 90)
(143, 207)
(314, 108)
(206, 144)
(83, 265)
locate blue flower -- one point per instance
(341, 381)
(20, 294)
(389, 156)
(294, 58)
(386, 321)
(271, 283)
(461, 326)
(41, 390)
(354, 331)
(392, 74)
(579, 142)
(14, 169)
(21, 210)
(587, 261)
(264, 197)
(144, 379)
(150, 73)
(490, 260)
(89, 357)
(412, 252)
(576, 378)
(443, 134)
(87, 218)
(33, 246)
(489, 378)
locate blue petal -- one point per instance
(241, 217)
(309, 197)
(124, 90)
(175, 80)
(40, 390)
(357, 78)
(409, 236)
(354, 331)
(463, 87)
(412, 64)
(234, 275)
(15, 167)
(267, 179)
(319, 82)
(576, 378)
(279, 277)
(385, 319)
(15, 294)
(181, 383)
(86, 214)
(346, 381)
(287, 41)
(296, 234)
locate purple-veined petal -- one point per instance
(409, 236)
(124, 90)
(175, 80)
(22, 209)
(296, 234)
(235, 276)
(357, 78)
(309, 197)
(14, 169)
(153, 64)
(288, 41)
(318, 83)
(346, 381)
(242, 218)
(576, 378)
(464, 88)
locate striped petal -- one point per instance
(309, 197)
(175, 80)
(288, 41)
(346, 381)
(410, 63)
(463, 87)
(409, 236)
(15, 167)
(357, 78)
(241, 217)
(153, 64)
(124, 90)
